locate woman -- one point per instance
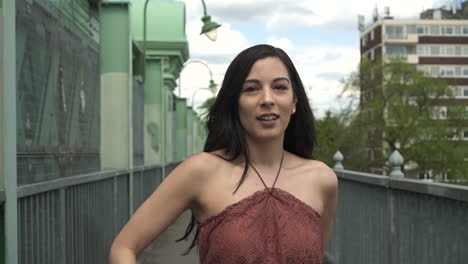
(256, 194)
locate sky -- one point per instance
(321, 37)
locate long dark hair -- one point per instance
(224, 127)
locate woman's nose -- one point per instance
(267, 97)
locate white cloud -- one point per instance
(282, 43)
(281, 15)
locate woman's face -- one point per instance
(266, 100)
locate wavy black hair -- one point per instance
(225, 131)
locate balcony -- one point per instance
(401, 38)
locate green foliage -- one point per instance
(207, 104)
(397, 110)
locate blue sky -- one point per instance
(321, 37)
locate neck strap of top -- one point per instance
(277, 174)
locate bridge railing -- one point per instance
(75, 219)
(390, 219)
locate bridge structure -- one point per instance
(91, 125)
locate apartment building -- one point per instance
(437, 42)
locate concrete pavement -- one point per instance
(165, 250)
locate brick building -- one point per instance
(437, 42)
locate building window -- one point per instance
(443, 112)
(395, 31)
(423, 50)
(465, 91)
(464, 50)
(465, 72)
(447, 30)
(451, 91)
(372, 35)
(465, 30)
(447, 71)
(422, 30)
(447, 51)
(396, 51)
(363, 41)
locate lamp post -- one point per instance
(209, 29)
(212, 84)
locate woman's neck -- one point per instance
(265, 154)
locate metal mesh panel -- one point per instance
(58, 95)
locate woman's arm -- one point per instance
(173, 196)
(330, 197)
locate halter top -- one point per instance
(269, 226)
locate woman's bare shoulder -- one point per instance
(202, 165)
(317, 172)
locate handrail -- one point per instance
(451, 191)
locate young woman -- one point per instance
(256, 194)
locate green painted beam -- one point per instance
(8, 116)
(181, 129)
(153, 88)
(115, 46)
(116, 52)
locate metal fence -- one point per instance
(74, 220)
(383, 220)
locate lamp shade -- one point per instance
(209, 28)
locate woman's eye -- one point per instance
(250, 89)
(281, 87)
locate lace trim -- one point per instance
(251, 197)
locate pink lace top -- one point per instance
(269, 226)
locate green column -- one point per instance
(189, 131)
(116, 89)
(8, 176)
(115, 86)
(169, 86)
(196, 131)
(181, 130)
(153, 120)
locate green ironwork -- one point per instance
(117, 91)
(8, 129)
(181, 129)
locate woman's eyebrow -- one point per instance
(274, 80)
(281, 79)
(252, 80)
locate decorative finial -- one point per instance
(396, 160)
(338, 158)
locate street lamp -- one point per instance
(212, 86)
(209, 27)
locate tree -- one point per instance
(207, 104)
(399, 109)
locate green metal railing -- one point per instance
(390, 219)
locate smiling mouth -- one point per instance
(268, 117)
